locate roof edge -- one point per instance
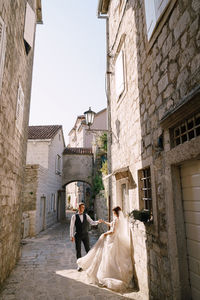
(103, 6)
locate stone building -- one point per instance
(44, 198)
(80, 137)
(153, 87)
(17, 35)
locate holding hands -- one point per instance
(101, 221)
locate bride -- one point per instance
(109, 262)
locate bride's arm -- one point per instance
(112, 230)
(107, 223)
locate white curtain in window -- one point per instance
(29, 27)
(153, 10)
(150, 16)
(20, 108)
(119, 74)
(159, 7)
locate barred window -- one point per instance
(187, 130)
(144, 177)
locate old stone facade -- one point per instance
(17, 33)
(153, 82)
(80, 137)
(44, 198)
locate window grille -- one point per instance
(187, 130)
(145, 188)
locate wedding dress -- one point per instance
(109, 262)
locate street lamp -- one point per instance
(89, 117)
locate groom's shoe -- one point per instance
(79, 269)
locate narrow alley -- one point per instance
(47, 270)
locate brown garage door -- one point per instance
(190, 178)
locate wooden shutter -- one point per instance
(2, 49)
(20, 109)
(159, 7)
(150, 16)
(119, 74)
(29, 27)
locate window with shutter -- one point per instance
(29, 27)
(159, 7)
(153, 11)
(150, 17)
(2, 49)
(20, 109)
(119, 74)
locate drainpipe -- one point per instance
(107, 78)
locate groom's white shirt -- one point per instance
(72, 224)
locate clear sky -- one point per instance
(69, 63)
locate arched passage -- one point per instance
(77, 165)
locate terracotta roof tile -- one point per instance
(43, 132)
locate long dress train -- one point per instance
(109, 262)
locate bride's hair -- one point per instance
(117, 210)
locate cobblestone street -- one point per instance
(47, 270)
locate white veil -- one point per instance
(123, 230)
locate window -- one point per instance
(20, 108)
(58, 164)
(187, 130)
(124, 200)
(55, 202)
(153, 11)
(29, 28)
(145, 198)
(2, 49)
(52, 204)
(119, 74)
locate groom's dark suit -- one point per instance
(79, 231)
(81, 234)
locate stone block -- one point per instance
(164, 66)
(156, 77)
(168, 92)
(181, 25)
(183, 76)
(196, 5)
(162, 37)
(147, 140)
(174, 51)
(195, 64)
(151, 109)
(161, 112)
(173, 71)
(162, 84)
(167, 45)
(174, 17)
(186, 55)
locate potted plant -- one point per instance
(143, 215)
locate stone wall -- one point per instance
(35, 187)
(158, 75)
(101, 210)
(17, 68)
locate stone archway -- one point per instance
(77, 165)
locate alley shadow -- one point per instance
(79, 285)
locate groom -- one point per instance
(79, 229)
